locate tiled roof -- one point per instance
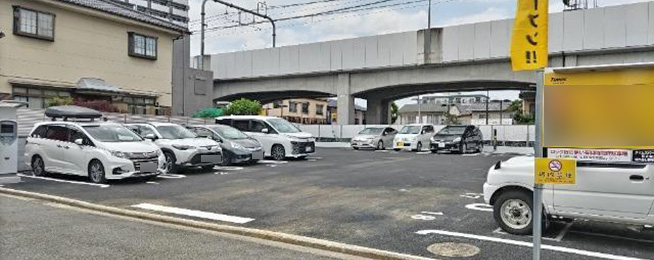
(431, 107)
(116, 9)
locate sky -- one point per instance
(333, 27)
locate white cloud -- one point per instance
(491, 13)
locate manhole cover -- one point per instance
(453, 249)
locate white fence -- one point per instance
(505, 133)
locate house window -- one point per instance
(292, 107)
(277, 104)
(305, 108)
(142, 46)
(32, 23)
(319, 109)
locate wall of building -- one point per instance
(84, 46)
(192, 88)
(311, 115)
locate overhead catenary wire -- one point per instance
(357, 8)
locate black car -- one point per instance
(237, 146)
(457, 138)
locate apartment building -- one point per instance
(89, 51)
(300, 110)
(174, 11)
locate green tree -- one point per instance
(518, 116)
(208, 112)
(59, 101)
(451, 119)
(394, 110)
(244, 107)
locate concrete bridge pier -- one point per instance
(344, 100)
(378, 111)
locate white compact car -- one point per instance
(413, 137)
(101, 151)
(278, 137)
(619, 193)
(181, 147)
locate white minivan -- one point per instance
(279, 138)
(413, 137)
(619, 193)
(101, 151)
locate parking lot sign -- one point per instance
(555, 171)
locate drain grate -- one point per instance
(453, 249)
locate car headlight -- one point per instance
(458, 139)
(237, 146)
(183, 146)
(433, 139)
(158, 152)
(120, 154)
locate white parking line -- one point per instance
(64, 181)
(194, 213)
(271, 162)
(171, 176)
(152, 182)
(528, 244)
(228, 168)
(428, 152)
(614, 237)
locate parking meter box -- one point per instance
(9, 137)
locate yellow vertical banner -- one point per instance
(529, 40)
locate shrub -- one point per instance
(244, 107)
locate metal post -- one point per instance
(419, 110)
(427, 49)
(487, 98)
(538, 188)
(202, 25)
(501, 112)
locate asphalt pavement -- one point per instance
(396, 201)
(32, 229)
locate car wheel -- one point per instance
(207, 167)
(380, 145)
(96, 172)
(513, 212)
(355, 148)
(253, 162)
(419, 147)
(278, 152)
(480, 147)
(396, 149)
(170, 165)
(434, 151)
(227, 160)
(38, 167)
(463, 148)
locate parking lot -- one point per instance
(397, 201)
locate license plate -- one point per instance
(441, 145)
(148, 167)
(257, 155)
(309, 149)
(210, 158)
(400, 144)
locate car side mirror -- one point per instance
(150, 137)
(265, 130)
(218, 139)
(79, 141)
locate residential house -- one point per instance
(359, 113)
(476, 114)
(175, 11)
(431, 113)
(90, 50)
(299, 110)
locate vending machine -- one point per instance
(9, 137)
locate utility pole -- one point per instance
(203, 25)
(487, 98)
(419, 110)
(427, 50)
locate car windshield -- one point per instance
(410, 129)
(229, 132)
(174, 132)
(452, 130)
(283, 126)
(371, 131)
(112, 133)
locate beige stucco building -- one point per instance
(299, 110)
(88, 50)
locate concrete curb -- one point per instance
(250, 232)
